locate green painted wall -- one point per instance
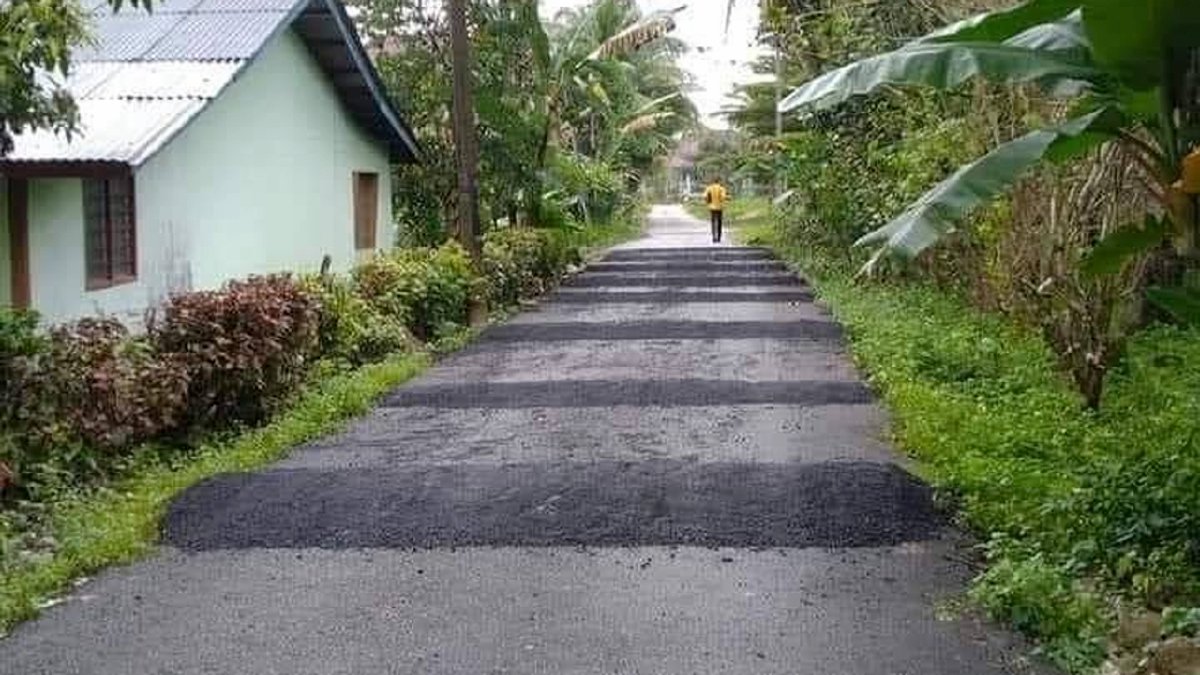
(260, 181)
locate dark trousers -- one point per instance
(718, 220)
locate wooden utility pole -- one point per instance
(465, 142)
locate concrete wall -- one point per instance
(56, 259)
(260, 181)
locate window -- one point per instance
(366, 209)
(110, 235)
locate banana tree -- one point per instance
(1131, 70)
(589, 43)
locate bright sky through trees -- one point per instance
(718, 61)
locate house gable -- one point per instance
(148, 75)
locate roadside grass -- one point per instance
(83, 531)
(1077, 508)
(603, 235)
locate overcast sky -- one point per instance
(717, 60)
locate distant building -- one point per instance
(218, 139)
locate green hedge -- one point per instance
(80, 402)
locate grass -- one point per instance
(119, 523)
(1076, 508)
(607, 234)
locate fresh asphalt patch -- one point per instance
(715, 279)
(646, 503)
(689, 266)
(724, 253)
(603, 393)
(673, 296)
(800, 329)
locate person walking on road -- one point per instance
(715, 196)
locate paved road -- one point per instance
(670, 467)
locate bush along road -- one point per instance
(100, 428)
(668, 466)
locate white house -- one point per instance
(218, 139)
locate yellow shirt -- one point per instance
(716, 196)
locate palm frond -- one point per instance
(636, 36)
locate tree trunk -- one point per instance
(467, 152)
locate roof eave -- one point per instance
(403, 145)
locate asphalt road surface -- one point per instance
(668, 467)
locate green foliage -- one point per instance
(429, 289)
(1181, 621)
(76, 402)
(523, 262)
(1112, 252)
(44, 548)
(552, 120)
(80, 488)
(1060, 493)
(1105, 48)
(592, 189)
(1040, 599)
(353, 330)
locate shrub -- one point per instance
(1038, 598)
(430, 290)
(25, 413)
(245, 348)
(112, 391)
(78, 400)
(523, 262)
(351, 329)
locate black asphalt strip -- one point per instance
(664, 330)
(618, 280)
(691, 254)
(673, 296)
(642, 393)
(649, 503)
(689, 266)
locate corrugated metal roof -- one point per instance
(147, 74)
(151, 79)
(127, 110)
(186, 30)
(210, 36)
(121, 130)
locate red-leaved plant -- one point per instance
(245, 348)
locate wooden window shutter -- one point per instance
(110, 231)
(366, 209)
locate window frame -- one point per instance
(110, 276)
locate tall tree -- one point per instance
(465, 141)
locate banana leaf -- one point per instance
(1001, 25)
(936, 213)
(940, 65)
